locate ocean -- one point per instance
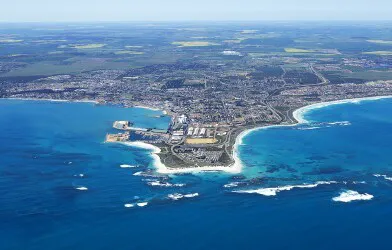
(326, 184)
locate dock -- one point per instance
(122, 125)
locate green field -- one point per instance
(380, 42)
(128, 52)
(295, 50)
(133, 46)
(10, 41)
(371, 75)
(74, 66)
(83, 46)
(249, 31)
(378, 53)
(195, 44)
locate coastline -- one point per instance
(162, 169)
(298, 115)
(237, 166)
(146, 107)
(51, 100)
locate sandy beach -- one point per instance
(236, 168)
(52, 100)
(298, 115)
(161, 168)
(145, 107)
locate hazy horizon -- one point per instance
(202, 10)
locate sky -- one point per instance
(188, 10)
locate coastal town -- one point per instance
(206, 120)
(213, 91)
(192, 143)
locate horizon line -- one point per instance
(199, 21)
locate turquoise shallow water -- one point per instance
(341, 141)
(45, 146)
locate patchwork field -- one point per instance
(195, 44)
(379, 53)
(380, 42)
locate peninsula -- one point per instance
(216, 82)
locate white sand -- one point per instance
(51, 100)
(299, 116)
(145, 107)
(299, 113)
(237, 166)
(161, 168)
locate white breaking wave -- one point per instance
(140, 173)
(127, 166)
(325, 125)
(359, 182)
(343, 123)
(82, 188)
(146, 174)
(309, 128)
(384, 176)
(351, 195)
(142, 204)
(148, 179)
(274, 190)
(231, 184)
(177, 196)
(164, 184)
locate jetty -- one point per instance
(122, 125)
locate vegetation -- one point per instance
(195, 44)
(295, 50)
(83, 46)
(379, 53)
(89, 46)
(128, 52)
(133, 46)
(380, 42)
(249, 31)
(10, 41)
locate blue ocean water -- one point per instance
(45, 146)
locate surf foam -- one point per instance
(164, 184)
(298, 114)
(275, 190)
(384, 176)
(142, 204)
(178, 196)
(350, 195)
(231, 184)
(127, 166)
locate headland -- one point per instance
(235, 165)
